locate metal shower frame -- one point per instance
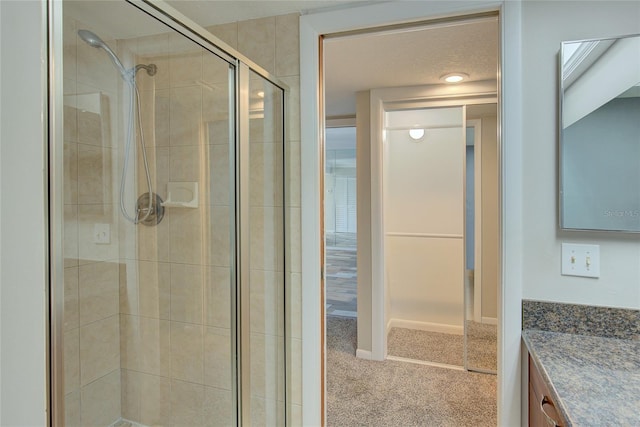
(243, 66)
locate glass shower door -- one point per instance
(177, 344)
(262, 260)
(160, 324)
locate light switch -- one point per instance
(580, 260)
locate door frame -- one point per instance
(476, 124)
(312, 29)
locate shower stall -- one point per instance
(167, 223)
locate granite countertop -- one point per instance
(594, 381)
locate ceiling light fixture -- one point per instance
(416, 134)
(454, 77)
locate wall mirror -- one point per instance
(600, 134)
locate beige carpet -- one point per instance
(482, 346)
(427, 346)
(389, 393)
(447, 348)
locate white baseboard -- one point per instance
(489, 320)
(425, 326)
(425, 363)
(363, 354)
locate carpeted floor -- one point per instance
(482, 346)
(389, 393)
(447, 348)
(427, 346)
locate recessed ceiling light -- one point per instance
(454, 77)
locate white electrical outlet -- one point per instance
(580, 260)
(102, 234)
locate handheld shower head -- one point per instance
(91, 39)
(150, 215)
(94, 40)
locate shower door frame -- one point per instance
(240, 243)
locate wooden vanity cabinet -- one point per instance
(542, 410)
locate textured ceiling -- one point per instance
(407, 58)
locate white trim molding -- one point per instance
(363, 354)
(424, 235)
(426, 326)
(476, 124)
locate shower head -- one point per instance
(94, 40)
(91, 38)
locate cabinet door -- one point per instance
(542, 410)
(535, 414)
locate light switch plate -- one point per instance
(580, 260)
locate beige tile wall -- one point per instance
(273, 43)
(91, 276)
(176, 306)
(266, 281)
(175, 294)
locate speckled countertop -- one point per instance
(594, 379)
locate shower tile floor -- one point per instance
(341, 274)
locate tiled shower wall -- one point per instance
(91, 276)
(175, 287)
(175, 313)
(273, 43)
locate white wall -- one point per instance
(619, 284)
(363, 176)
(22, 215)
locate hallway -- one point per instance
(341, 275)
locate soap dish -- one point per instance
(181, 195)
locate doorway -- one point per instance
(340, 219)
(370, 344)
(510, 117)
